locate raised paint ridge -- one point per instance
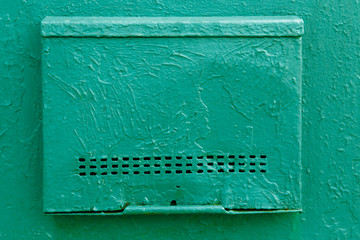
(275, 26)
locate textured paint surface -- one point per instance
(205, 121)
(330, 141)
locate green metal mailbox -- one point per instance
(171, 114)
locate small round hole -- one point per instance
(173, 203)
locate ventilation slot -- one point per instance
(172, 165)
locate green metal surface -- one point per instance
(186, 120)
(330, 126)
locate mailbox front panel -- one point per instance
(185, 115)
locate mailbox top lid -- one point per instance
(244, 26)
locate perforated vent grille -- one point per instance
(235, 164)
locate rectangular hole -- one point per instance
(81, 159)
(189, 164)
(92, 166)
(231, 170)
(262, 164)
(241, 170)
(103, 166)
(252, 164)
(136, 165)
(221, 170)
(210, 157)
(125, 165)
(104, 159)
(156, 165)
(157, 158)
(209, 171)
(115, 166)
(125, 158)
(136, 172)
(200, 171)
(263, 171)
(189, 157)
(241, 164)
(146, 165)
(136, 159)
(104, 173)
(157, 172)
(114, 173)
(114, 158)
(210, 164)
(220, 163)
(147, 172)
(146, 158)
(231, 163)
(188, 171)
(167, 171)
(252, 156)
(241, 156)
(200, 157)
(178, 157)
(200, 164)
(93, 160)
(125, 173)
(262, 156)
(168, 165)
(178, 165)
(220, 156)
(93, 173)
(82, 174)
(178, 171)
(252, 170)
(231, 156)
(82, 166)
(167, 158)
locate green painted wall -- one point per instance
(331, 126)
